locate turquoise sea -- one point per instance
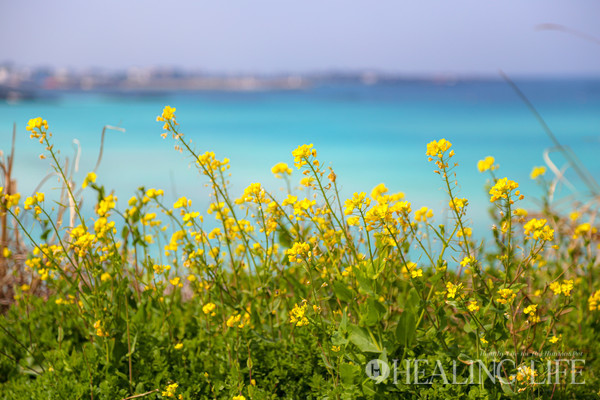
(368, 133)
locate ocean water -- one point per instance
(369, 134)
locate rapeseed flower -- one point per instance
(487, 164)
(297, 315)
(299, 251)
(537, 171)
(538, 230)
(281, 169)
(503, 189)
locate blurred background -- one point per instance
(369, 83)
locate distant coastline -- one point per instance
(22, 83)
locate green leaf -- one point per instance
(347, 373)
(372, 312)
(406, 328)
(342, 292)
(363, 340)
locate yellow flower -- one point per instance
(178, 346)
(525, 374)
(240, 397)
(209, 308)
(12, 200)
(358, 201)
(538, 229)
(232, 320)
(105, 277)
(506, 296)
(486, 164)
(458, 204)
(170, 390)
(537, 171)
(453, 289)
(530, 309)
(594, 301)
(6, 253)
(378, 191)
(555, 339)
(299, 251)
(302, 155)
(99, 330)
(36, 123)
(502, 189)
(182, 202)
(566, 287)
(437, 148)
(584, 229)
(89, 178)
(280, 169)
(473, 306)
(423, 214)
(168, 117)
(150, 193)
(307, 181)
(417, 273)
(176, 282)
(483, 340)
(297, 315)
(335, 348)
(353, 221)
(468, 260)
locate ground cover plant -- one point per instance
(305, 295)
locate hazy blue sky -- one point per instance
(416, 36)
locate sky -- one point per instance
(416, 37)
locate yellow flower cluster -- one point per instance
(537, 171)
(503, 188)
(297, 315)
(182, 202)
(280, 169)
(105, 205)
(423, 214)
(33, 202)
(236, 320)
(99, 329)
(564, 288)
(9, 200)
(437, 148)
(411, 269)
(89, 178)
(594, 301)
(299, 251)
(584, 230)
(170, 390)
(458, 205)
(168, 117)
(506, 296)
(531, 310)
(358, 201)
(209, 309)
(473, 306)
(253, 194)
(538, 229)
(210, 164)
(452, 290)
(524, 374)
(302, 155)
(38, 128)
(487, 164)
